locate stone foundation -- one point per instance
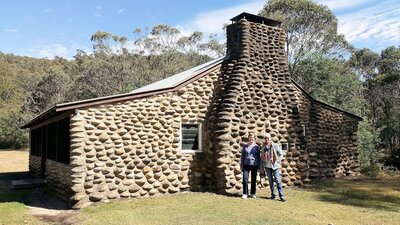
(35, 165)
(58, 177)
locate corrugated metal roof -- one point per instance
(176, 79)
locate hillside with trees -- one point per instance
(29, 86)
(359, 81)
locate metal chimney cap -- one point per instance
(257, 19)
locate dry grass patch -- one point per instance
(14, 160)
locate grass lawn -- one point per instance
(364, 200)
(13, 209)
(348, 201)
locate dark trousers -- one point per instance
(246, 171)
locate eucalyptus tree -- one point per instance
(311, 30)
(332, 81)
(381, 73)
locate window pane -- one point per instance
(190, 136)
(63, 141)
(52, 141)
(284, 146)
(36, 137)
(43, 143)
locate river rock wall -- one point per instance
(257, 95)
(132, 148)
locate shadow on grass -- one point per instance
(41, 197)
(9, 195)
(365, 192)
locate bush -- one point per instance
(390, 170)
(393, 160)
(11, 136)
(369, 153)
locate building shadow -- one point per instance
(38, 196)
(364, 192)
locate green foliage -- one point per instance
(51, 90)
(369, 154)
(382, 91)
(364, 62)
(311, 29)
(18, 78)
(11, 136)
(113, 69)
(331, 81)
(163, 39)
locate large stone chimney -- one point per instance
(256, 94)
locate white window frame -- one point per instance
(200, 138)
(287, 146)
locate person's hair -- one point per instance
(269, 136)
(251, 134)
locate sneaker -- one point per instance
(272, 197)
(253, 196)
(244, 196)
(283, 200)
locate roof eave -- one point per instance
(40, 116)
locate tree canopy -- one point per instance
(311, 29)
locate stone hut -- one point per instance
(186, 132)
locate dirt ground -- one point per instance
(13, 161)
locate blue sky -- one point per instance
(45, 28)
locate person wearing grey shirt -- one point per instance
(271, 162)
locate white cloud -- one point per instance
(377, 23)
(121, 11)
(50, 51)
(371, 23)
(98, 11)
(341, 4)
(212, 21)
(11, 30)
